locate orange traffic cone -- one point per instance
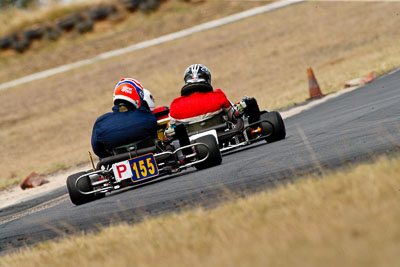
(370, 77)
(315, 91)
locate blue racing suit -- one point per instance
(119, 128)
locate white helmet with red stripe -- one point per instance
(129, 90)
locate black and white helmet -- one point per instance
(197, 78)
(197, 73)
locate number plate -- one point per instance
(136, 169)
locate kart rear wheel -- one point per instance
(214, 157)
(278, 130)
(83, 185)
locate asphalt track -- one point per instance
(350, 128)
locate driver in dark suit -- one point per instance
(130, 120)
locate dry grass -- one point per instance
(346, 219)
(47, 124)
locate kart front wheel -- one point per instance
(214, 157)
(83, 185)
(277, 130)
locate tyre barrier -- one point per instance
(81, 22)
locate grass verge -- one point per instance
(349, 218)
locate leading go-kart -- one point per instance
(245, 125)
(142, 161)
(249, 125)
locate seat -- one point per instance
(216, 122)
(144, 143)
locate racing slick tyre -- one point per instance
(214, 157)
(83, 185)
(278, 129)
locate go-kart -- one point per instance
(245, 125)
(142, 161)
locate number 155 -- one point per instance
(144, 167)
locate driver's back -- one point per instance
(198, 106)
(118, 128)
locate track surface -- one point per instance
(351, 128)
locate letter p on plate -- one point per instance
(122, 170)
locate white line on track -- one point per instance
(162, 39)
(39, 207)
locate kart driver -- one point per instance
(130, 120)
(198, 100)
(148, 100)
(161, 113)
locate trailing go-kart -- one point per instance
(144, 160)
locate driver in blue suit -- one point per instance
(130, 120)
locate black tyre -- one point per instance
(34, 34)
(131, 5)
(101, 13)
(214, 158)
(85, 26)
(278, 131)
(149, 5)
(21, 45)
(7, 42)
(83, 185)
(67, 23)
(53, 33)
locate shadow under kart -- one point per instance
(142, 161)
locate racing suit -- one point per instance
(198, 106)
(121, 127)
